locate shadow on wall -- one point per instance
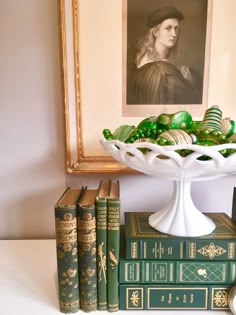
(27, 205)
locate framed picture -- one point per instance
(166, 51)
(97, 42)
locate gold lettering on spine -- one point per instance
(67, 238)
(86, 225)
(191, 298)
(66, 230)
(87, 238)
(87, 230)
(66, 225)
(114, 216)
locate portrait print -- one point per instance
(165, 56)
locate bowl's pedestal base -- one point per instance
(180, 217)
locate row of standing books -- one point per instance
(158, 271)
(87, 223)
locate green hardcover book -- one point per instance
(65, 211)
(146, 271)
(113, 247)
(144, 242)
(173, 297)
(87, 250)
(178, 272)
(101, 221)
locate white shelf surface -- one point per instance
(28, 285)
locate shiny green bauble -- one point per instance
(148, 123)
(180, 120)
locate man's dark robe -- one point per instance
(160, 82)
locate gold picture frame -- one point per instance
(91, 58)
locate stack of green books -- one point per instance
(158, 271)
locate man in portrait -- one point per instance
(163, 67)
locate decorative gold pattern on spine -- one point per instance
(135, 298)
(220, 299)
(211, 250)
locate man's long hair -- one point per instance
(146, 46)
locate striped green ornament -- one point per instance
(212, 119)
(175, 136)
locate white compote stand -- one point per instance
(180, 217)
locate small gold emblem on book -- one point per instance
(211, 250)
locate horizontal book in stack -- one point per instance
(159, 271)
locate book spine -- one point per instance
(179, 272)
(167, 249)
(113, 244)
(144, 242)
(211, 249)
(67, 259)
(101, 221)
(146, 271)
(171, 249)
(173, 297)
(87, 258)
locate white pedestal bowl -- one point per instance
(180, 217)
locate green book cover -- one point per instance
(173, 297)
(101, 222)
(113, 244)
(87, 250)
(178, 272)
(144, 242)
(67, 250)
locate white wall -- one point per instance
(32, 132)
(31, 126)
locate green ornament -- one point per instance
(175, 136)
(206, 142)
(196, 124)
(212, 119)
(228, 127)
(123, 132)
(180, 120)
(107, 134)
(210, 137)
(148, 123)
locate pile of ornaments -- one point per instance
(178, 129)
